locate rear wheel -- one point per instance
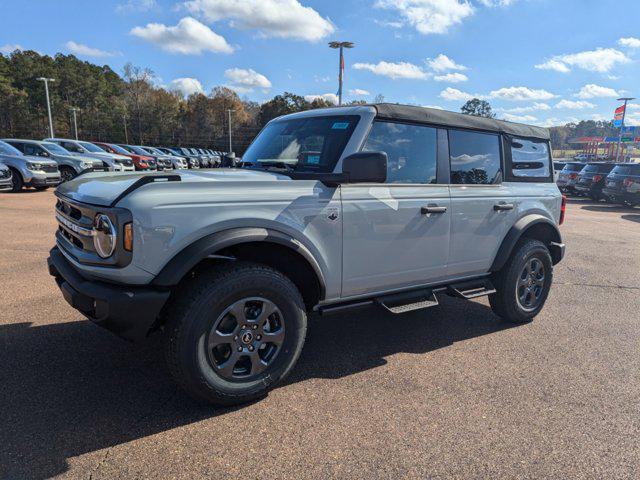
(233, 333)
(16, 181)
(523, 284)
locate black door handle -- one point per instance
(432, 209)
(503, 206)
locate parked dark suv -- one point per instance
(623, 184)
(591, 179)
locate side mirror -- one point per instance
(365, 167)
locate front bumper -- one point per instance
(128, 311)
(48, 181)
(6, 184)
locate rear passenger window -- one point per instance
(411, 151)
(529, 158)
(475, 158)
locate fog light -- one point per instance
(128, 237)
(104, 238)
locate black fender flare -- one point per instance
(519, 229)
(190, 256)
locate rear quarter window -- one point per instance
(530, 158)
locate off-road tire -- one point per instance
(195, 307)
(504, 302)
(16, 181)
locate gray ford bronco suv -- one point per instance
(341, 208)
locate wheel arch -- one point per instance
(530, 226)
(261, 245)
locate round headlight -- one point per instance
(104, 239)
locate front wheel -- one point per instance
(67, 174)
(234, 332)
(523, 284)
(16, 181)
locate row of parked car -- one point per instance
(613, 182)
(46, 163)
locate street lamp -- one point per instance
(46, 89)
(75, 120)
(624, 114)
(341, 46)
(229, 111)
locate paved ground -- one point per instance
(445, 393)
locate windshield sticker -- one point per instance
(313, 159)
(340, 125)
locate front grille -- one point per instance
(126, 163)
(49, 168)
(75, 224)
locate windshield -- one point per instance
(573, 167)
(626, 170)
(91, 147)
(305, 144)
(55, 148)
(119, 149)
(6, 149)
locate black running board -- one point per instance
(417, 299)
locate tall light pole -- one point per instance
(341, 46)
(46, 89)
(75, 121)
(126, 135)
(229, 110)
(624, 114)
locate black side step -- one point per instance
(471, 289)
(408, 301)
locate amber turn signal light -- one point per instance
(128, 237)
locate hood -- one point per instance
(114, 156)
(103, 189)
(80, 158)
(27, 158)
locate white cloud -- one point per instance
(630, 42)
(633, 106)
(556, 65)
(86, 51)
(577, 105)
(273, 18)
(451, 77)
(497, 3)
(394, 70)
(246, 80)
(135, 6)
(187, 86)
(521, 93)
(429, 16)
(601, 60)
(359, 91)
(519, 118)
(454, 94)
(329, 97)
(531, 108)
(188, 37)
(10, 48)
(442, 63)
(596, 91)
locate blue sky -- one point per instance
(538, 61)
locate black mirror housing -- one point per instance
(365, 167)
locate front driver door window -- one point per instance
(389, 240)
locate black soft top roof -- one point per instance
(434, 116)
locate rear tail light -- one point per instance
(573, 176)
(563, 208)
(597, 178)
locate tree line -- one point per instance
(130, 107)
(126, 108)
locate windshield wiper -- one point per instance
(276, 165)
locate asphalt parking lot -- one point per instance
(450, 392)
